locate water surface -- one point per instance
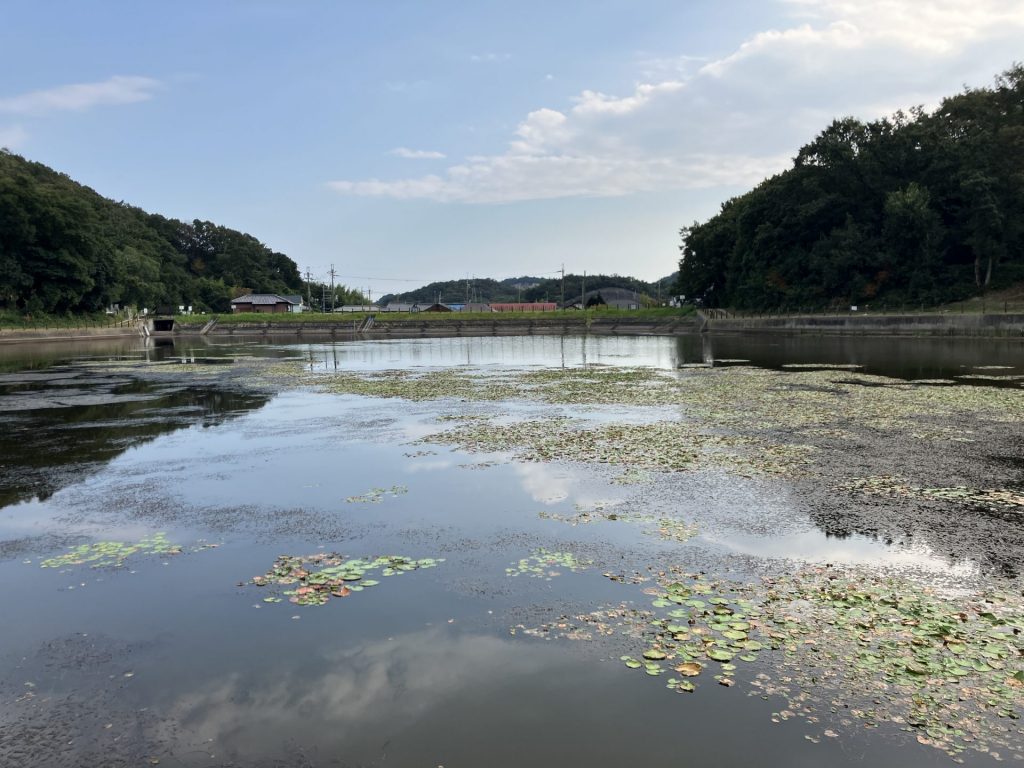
(178, 658)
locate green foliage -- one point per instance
(528, 289)
(64, 248)
(919, 207)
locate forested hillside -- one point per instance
(522, 289)
(922, 207)
(64, 248)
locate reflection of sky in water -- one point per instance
(440, 698)
(813, 546)
(514, 351)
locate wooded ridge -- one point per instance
(917, 208)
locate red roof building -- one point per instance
(533, 306)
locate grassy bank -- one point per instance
(17, 321)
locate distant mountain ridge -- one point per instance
(529, 289)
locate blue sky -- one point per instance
(433, 140)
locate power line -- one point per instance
(332, 273)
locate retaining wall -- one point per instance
(384, 328)
(1008, 325)
(25, 335)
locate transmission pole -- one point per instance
(332, 273)
(563, 285)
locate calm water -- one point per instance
(169, 658)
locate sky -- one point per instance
(405, 142)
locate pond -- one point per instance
(710, 551)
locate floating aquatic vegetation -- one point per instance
(839, 645)
(463, 417)
(887, 485)
(632, 477)
(989, 377)
(824, 366)
(377, 495)
(671, 529)
(658, 446)
(599, 385)
(749, 401)
(585, 515)
(102, 554)
(606, 622)
(545, 564)
(315, 579)
(419, 454)
(707, 625)
(409, 385)
(950, 671)
(667, 528)
(758, 399)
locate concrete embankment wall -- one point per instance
(29, 335)
(1009, 325)
(410, 328)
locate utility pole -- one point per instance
(583, 290)
(309, 289)
(563, 285)
(332, 274)
(323, 298)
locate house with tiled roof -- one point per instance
(266, 302)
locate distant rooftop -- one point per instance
(266, 298)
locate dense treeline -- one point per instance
(64, 248)
(515, 289)
(920, 207)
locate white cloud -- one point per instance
(81, 96)
(406, 676)
(416, 154)
(596, 102)
(12, 137)
(936, 26)
(490, 57)
(731, 121)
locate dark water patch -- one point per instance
(48, 443)
(904, 358)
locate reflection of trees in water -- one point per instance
(912, 358)
(44, 450)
